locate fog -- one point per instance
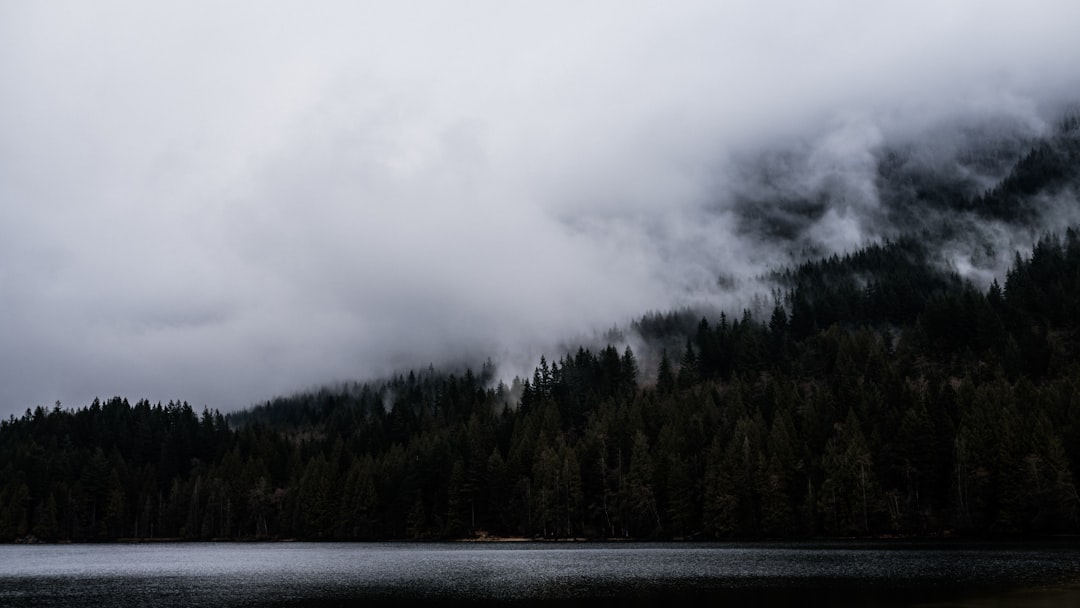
(224, 203)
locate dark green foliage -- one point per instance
(880, 285)
(953, 410)
(1048, 168)
(881, 395)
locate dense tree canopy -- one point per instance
(882, 394)
(950, 410)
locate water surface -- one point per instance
(346, 574)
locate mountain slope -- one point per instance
(879, 391)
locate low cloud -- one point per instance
(225, 203)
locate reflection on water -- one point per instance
(345, 574)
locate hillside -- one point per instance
(883, 393)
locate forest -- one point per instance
(882, 395)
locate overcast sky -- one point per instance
(221, 202)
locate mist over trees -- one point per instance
(881, 393)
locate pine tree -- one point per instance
(665, 378)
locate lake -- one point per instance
(523, 574)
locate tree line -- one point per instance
(882, 396)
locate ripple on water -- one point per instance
(294, 574)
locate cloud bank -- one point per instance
(222, 203)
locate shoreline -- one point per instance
(487, 539)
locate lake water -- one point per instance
(522, 574)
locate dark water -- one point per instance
(348, 574)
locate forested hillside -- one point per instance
(883, 395)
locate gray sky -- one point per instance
(222, 202)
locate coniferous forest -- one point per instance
(879, 394)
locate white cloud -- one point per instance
(224, 202)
